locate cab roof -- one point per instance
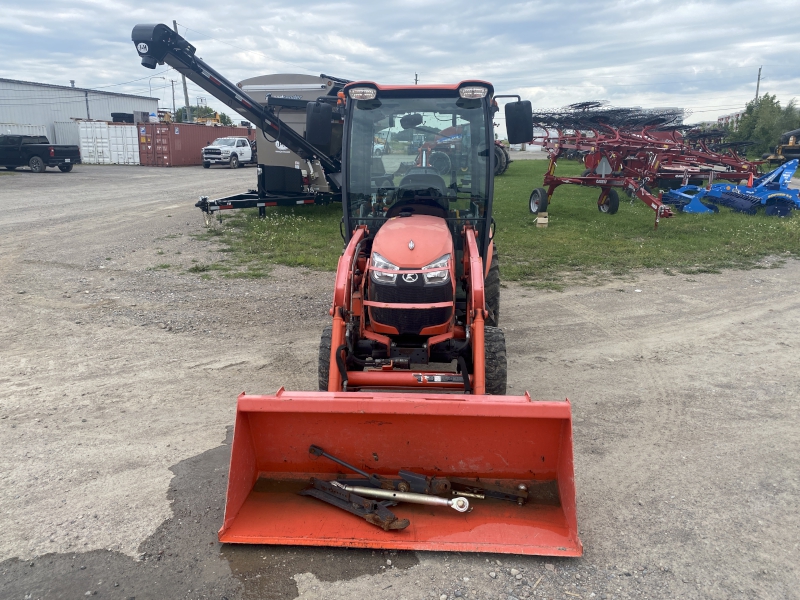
(442, 87)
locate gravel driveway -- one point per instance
(119, 371)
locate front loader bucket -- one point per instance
(503, 440)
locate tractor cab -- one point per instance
(417, 218)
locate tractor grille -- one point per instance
(410, 321)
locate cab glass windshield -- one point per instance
(405, 151)
(224, 142)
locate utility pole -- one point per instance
(758, 83)
(185, 89)
(416, 79)
(172, 81)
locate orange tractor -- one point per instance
(410, 442)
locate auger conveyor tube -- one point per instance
(158, 44)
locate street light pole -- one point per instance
(150, 83)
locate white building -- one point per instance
(26, 103)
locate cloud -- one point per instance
(700, 55)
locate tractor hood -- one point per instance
(430, 236)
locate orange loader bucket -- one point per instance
(502, 440)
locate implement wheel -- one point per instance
(610, 203)
(538, 201)
(495, 361)
(491, 291)
(324, 358)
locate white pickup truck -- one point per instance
(233, 151)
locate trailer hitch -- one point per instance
(371, 511)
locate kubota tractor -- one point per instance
(412, 369)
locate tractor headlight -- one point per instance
(471, 92)
(381, 263)
(362, 93)
(442, 262)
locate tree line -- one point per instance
(763, 122)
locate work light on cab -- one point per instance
(471, 92)
(362, 93)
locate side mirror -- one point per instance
(318, 123)
(519, 122)
(411, 121)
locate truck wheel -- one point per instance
(495, 361)
(206, 164)
(37, 164)
(324, 358)
(234, 162)
(10, 168)
(611, 204)
(65, 168)
(491, 291)
(538, 201)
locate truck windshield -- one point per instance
(224, 142)
(412, 150)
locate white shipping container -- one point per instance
(67, 132)
(94, 144)
(18, 129)
(124, 144)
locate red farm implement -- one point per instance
(632, 149)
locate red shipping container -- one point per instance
(180, 144)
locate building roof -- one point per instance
(73, 89)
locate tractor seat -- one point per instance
(423, 181)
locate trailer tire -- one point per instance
(37, 164)
(496, 368)
(234, 162)
(206, 164)
(611, 204)
(324, 366)
(538, 201)
(491, 291)
(65, 168)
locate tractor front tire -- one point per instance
(491, 291)
(496, 368)
(611, 203)
(323, 370)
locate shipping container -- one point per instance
(17, 129)
(180, 144)
(94, 144)
(123, 143)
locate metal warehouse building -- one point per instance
(27, 103)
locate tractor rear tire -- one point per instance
(538, 201)
(495, 361)
(507, 159)
(323, 369)
(440, 162)
(500, 161)
(491, 291)
(611, 204)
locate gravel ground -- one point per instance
(118, 379)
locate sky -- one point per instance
(702, 56)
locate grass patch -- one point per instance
(161, 266)
(580, 245)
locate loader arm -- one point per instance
(158, 44)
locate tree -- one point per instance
(225, 119)
(763, 123)
(197, 113)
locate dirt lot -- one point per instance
(118, 379)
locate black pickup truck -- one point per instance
(36, 152)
